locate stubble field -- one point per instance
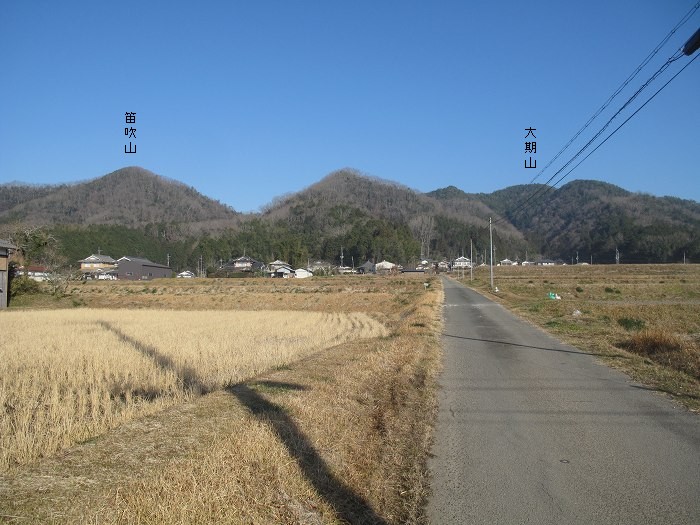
(221, 401)
(69, 375)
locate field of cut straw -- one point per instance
(69, 375)
(318, 399)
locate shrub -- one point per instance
(664, 348)
(579, 289)
(609, 290)
(654, 342)
(23, 285)
(631, 323)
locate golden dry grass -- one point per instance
(68, 375)
(341, 436)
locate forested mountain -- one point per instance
(349, 209)
(130, 196)
(132, 211)
(594, 218)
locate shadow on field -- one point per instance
(349, 507)
(521, 345)
(187, 374)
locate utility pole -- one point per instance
(471, 260)
(168, 263)
(491, 241)
(341, 256)
(617, 255)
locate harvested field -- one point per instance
(340, 435)
(85, 371)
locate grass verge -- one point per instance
(648, 326)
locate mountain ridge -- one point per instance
(348, 208)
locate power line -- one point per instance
(602, 108)
(541, 191)
(626, 121)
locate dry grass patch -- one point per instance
(85, 371)
(338, 437)
(643, 319)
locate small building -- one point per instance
(98, 266)
(185, 275)
(545, 262)
(137, 268)
(5, 250)
(280, 269)
(384, 267)
(508, 262)
(302, 273)
(320, 267)
(461, 263)
(243, 264)
(368, 267)
(35, 272)
(94, 262)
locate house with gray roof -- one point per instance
(98, 266)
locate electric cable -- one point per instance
(641, 66)
(540, 191)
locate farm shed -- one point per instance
(136, 268)
(368, 267)
(5, 249)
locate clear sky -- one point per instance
(248, 100)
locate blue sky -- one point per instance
(246, 101)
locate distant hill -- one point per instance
(137, 212)
(130, 197)
(336, 204)
(594, 218)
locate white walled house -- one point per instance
(302, 273)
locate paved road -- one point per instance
(533, 431)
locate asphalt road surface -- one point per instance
(534, 431)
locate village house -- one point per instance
(508, 262)
(35, 272)
(5, 250)
(243, 264)
(443, 266)
(384, 267)
(137, 268)
(280, 269)
(98, 266)
(461, 263)
(302, 273)
(320, 267)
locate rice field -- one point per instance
(67, 376)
